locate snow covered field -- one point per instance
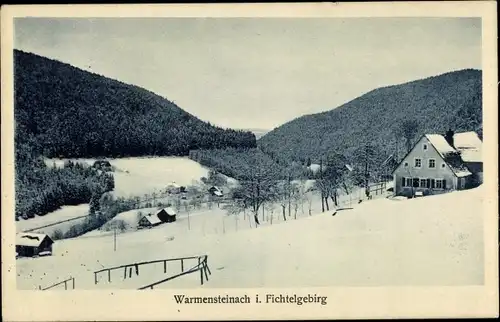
(435, 240)
(133, 177)
(142, 175)
(65, 213)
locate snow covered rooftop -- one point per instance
(467, 143)
(169, 210)
(440, 143)
(472, 155)
(30, 239)
(173, 185)
(461, 172)
(314, 167)
(470, 146)
(467, 140)
(153, 219)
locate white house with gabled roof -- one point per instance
(438, 164)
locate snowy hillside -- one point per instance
(434, 240)
(138, 176)
(65, 213)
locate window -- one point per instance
(432, 184)
(416, 182)
(425, 147)
(423, 183)
(406, 164)
(418, 163)
(443, 165)
(440, 184)
(432, 163)
(462, 183)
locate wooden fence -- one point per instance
(65, 282)
(133, 269)
(202, 267)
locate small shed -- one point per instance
(167, 215)
(215, 191)
(174, 188)
(149, 221)
(33, 244)
(102, 164)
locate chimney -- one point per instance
(449, 137)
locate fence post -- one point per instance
(40, 287)
(95, 277)
(182, 265)
(205, 270)
(164, 266)
(73, 283)
(206, 265)
(200, 268)
(65, 285)
(137, 269)
(125, 273)
(109, 275)
(130, 272)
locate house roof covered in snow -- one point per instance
(467, 149)
(30, 239)
(173, 185)
(169, 210)
(450, 155)
(314, 167)
(153, 219)
(440, 144)
(470, 146)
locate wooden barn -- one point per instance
(102, 165)
(215, 191)
(32, 244)
(149, 221)
(174, 188)
(167, 215)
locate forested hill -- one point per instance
(452, 100)
(63, 111)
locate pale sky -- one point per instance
(257, 72)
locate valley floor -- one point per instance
(435, 240)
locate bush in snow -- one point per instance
(57, 234)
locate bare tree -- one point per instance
(297, 197)
(177, 204)
(308, 197)
(282, 195)
(323, 187)
(270, 207)
(367, 165)
(255, 189)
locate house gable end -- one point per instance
(407, 154)
(438, 156)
